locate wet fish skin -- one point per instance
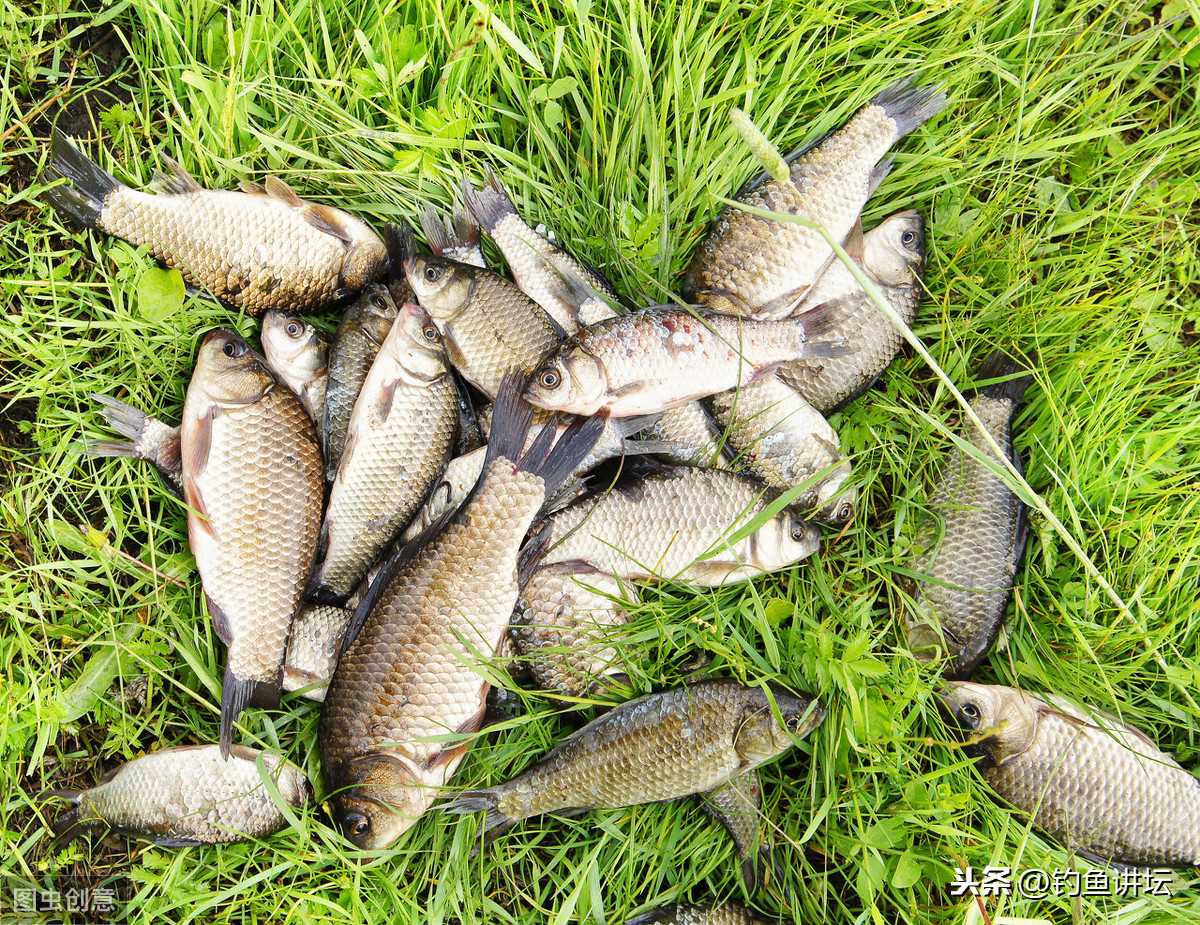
(188, 795)
(778, 437)
(694, 435)
(355, 345)
(894, 259)
(674, 524)
(252, 482)
(702, 914)
(400, 436)
(489, 325)
(150, 440)
(263, 247)
(313, 648)
(654, 749)
(960, 606)
(767, 266)
(434, 616)
(1098, 786)
(298, 352)
(661, 357)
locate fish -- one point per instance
(252, 480)
(409, 689)
(1100, 787)
(456, 240)
(778, 437)
(737, 805)
(149, 439)
(654, 749)
(258, 248)
(676, 524)
(967, 571)
(764, 267)
(699, 914)
(297, 352)
(661, 357)
(355, 345)
(566, 630)
(894, 259)
(313, 648)
(564, 286)
(187, 795)
(489, 325)
(693, 435)
(401, 435)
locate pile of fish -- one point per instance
(391, 519)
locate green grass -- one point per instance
(1061, 193)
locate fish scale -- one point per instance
(703, 914)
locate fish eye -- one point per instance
(844, 512)
(433, 273)
(792, 721)
(430, 333)
(378, 303)
(970, 711)
(550, 379)
(230, 349)
(799, 530)
(294, 329)
(909, 239)
(356, 824)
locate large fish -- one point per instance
(298, 352)
(676, 525)
(253, 484)
(1097, 785)
(148, 439)
(189, 795)
(409, 690)
(764, 267)
(488, 323)
(664, 356)
(399, 439)
(968, 569)
(662, 747)
(894, 259)
(263, 247)
(702, 914)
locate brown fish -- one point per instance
(297, 351)
(702, 914)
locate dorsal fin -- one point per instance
(277, 189)
(176, 182)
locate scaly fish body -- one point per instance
(703, 914)
(661, 747)
(261, 248)
(355, 346)
(400, 436)
(188, 795)
(778, 437)
(675, 526)
(412, 673)
(969, 575)
(661, 357)
(297, 352)
(489, 325)
(1096, 785)
(765, 267)
(693, 434)
(313, 648)
(894, 259)
(252, 481)
(149, 439)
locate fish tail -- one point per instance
(483, 801)
(1003, 365)
(758, 862)
(68, 827)
(444, 240)
(400, 243)
(239, 693)
(878, 174)
(511, 419)
(84, 200)
(490, 205)
(556, 463)
(909, 106)
(125, 419)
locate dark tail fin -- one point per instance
(400, 244)
(236, 695)
(482, 801)
(909, 106)
(68, 827)
(511, 419)
(555, 464)
(84, 200)
(446, 241)
(490, 205)
(1002, 365)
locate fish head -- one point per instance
(292, 341)
(571, 380)
(229, 371)
(416, 344)
(894, 251)
(997, 723)
(760, 736)
(442, 286)
(365, 258)
(383, 799)
(835, 501)
(373, 313)
(293, 786)
(786, 539)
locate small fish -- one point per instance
(693, 435)
(662, 747)
(563, 286)
(400, 437)
(765, 267)
(661, 357)
(894, 259)
(410, 687)
(737, 805)
(297, 352)
(189, 795)
(456, 240)
(778, 437)
(263, 247)
(313, 648)
(969, 573)
(702, 914)
(253, 485)
(489, 325)
(1098, 786)
(566, 628)
(676, 525)
(150, 440)
(355, 346)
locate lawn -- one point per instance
(1060, 189)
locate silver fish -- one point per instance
(313, 648)
(150, 439)
(297, 352)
